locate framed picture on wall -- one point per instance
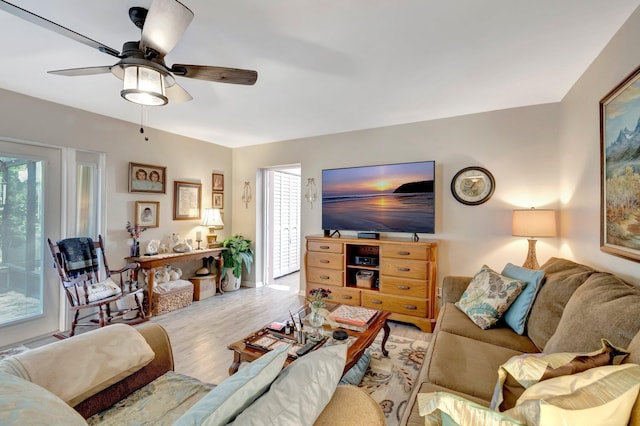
(620, 169)
(186, 200)
(147, 178)
(147, 213)
(217, 200)
(217, 182)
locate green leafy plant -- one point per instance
(238, 252)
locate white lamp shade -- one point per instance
(212, 218)
(534, 223)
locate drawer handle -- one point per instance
(324, 261)
(376, 301)
(346, 296)
(404, 253)
(410, 307)
(404, 269)
(324, 247)
(324, 277)
(403, 287)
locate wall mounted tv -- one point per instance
(382, 198)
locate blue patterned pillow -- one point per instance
(488, 296)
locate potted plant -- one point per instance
(238, 252)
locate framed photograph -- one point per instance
(620, 169)
(147, 178)
(217, 200)
(186, 200)
(148, 214)
(217, 182)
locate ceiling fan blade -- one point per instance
(176, 93)
(217, 74)
(73, 72)
(166, 21)
(57, 28)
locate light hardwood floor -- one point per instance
(200, 333)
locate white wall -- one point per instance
(580, 142)
(519, 146)
(32, 120)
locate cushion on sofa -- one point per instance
(457, 322)
(523, 371)
(301, 391)
(452, 410)
(25, 403)
(603, 307)
(604, 393)
(98, 358)
(488, 296)
(562, 278)
(517, 314)
(466, 365)
(237, 392)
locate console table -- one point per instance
(150, 263)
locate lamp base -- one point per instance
(531, 262)
(212, 240)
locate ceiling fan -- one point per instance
(147, 80)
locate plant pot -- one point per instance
(231, 282)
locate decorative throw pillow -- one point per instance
(26, 403)
(442, 408)
(98, 291)
(223, 403)
(488, 296)
(523, 371)
(301, 391)
(603, 395)
(356, 373)
(517, 314)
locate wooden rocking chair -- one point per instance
(78, 265)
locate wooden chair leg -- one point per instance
(74, 323)
(139, 304)
(101, 314)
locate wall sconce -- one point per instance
(246, 194)
(310, 193)
(533, 223)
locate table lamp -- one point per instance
(212, 219)
(533, 223)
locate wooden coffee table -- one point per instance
(243, 353)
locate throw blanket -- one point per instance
(79, 255)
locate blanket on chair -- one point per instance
(79, 255)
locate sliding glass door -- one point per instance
(30, 194)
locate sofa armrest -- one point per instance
(157, 338)
(453, 287)
(350, 405)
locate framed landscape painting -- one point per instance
(620, 169)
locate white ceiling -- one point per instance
(323, 67)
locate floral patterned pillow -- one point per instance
(488, 296)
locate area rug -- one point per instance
(390, 380)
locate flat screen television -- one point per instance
(383, 198)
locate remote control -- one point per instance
(305, 349)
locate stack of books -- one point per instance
(353, 317)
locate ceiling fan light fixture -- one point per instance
(144, 86)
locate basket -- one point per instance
(364, 279)
(172, 295)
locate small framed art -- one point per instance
(147, 213)
(217, 200)
(186, 200)
(217, 183)
(147, 178)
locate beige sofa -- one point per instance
(160, 392)
(575, 308)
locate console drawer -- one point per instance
(325, 247)
(403, 287)
(404, 268)
(401, 305)
(325, 260)
(324, 276)
(405, 251)
(345, 296)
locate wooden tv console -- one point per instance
(404, 275)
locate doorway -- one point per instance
(282, 224)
